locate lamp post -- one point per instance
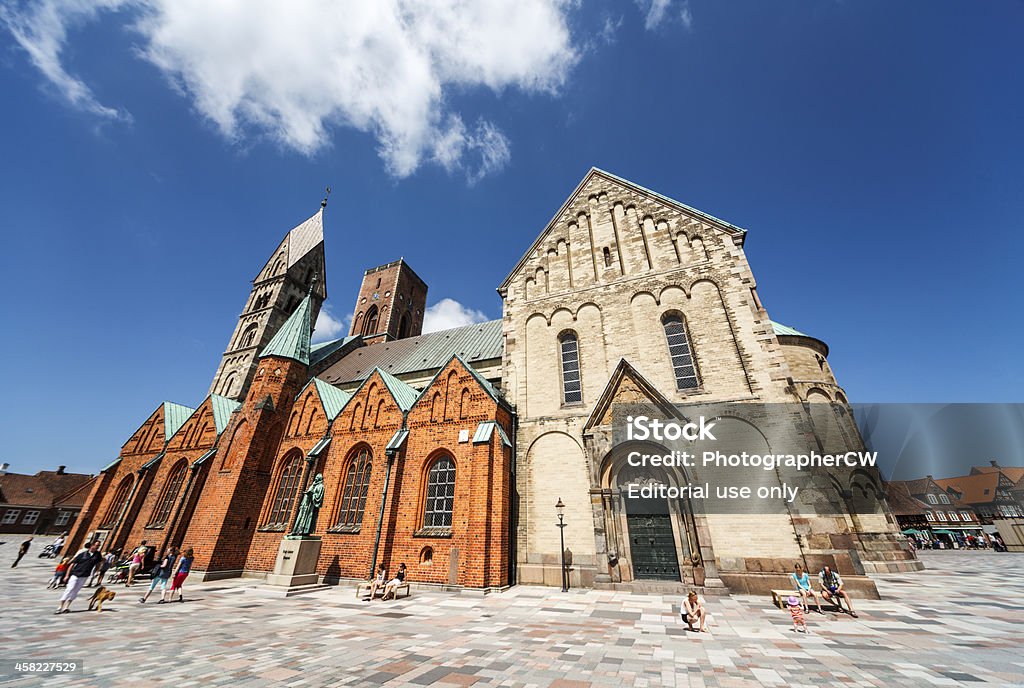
(560, 508)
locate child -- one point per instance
(58, 573)
(797, 612)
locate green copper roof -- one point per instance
(175, 416)
(222, 410)
(331, 397)
(292, 340)
(779, 328)
(405, 396)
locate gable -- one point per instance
(378, 386)
(638, 228)
(627, 386)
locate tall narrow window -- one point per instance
(113, 512)
(370, 324)
(607, 257)
(440, 494)
(170, 492)
(353, 498)
(572, 392)
(287, 489)
(679, 351)
(403, 326)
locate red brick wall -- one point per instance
(225, 519)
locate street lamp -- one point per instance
(560, 508)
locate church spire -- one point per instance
(292, 340)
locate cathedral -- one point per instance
(448, 451)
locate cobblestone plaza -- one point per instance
(956, 623)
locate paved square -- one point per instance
(957, 623)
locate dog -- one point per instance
(99, 597)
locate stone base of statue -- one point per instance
(296, 562)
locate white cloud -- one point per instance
(686, 15)
(292, 70)
(41, 29)
(449, 313)
(656, 11)
(329, 327)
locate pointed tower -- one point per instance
(279, 287)
(222, 529)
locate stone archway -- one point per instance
(654, 539)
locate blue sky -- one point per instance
(154, 153)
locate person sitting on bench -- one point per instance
(832, 590)
(378, 583)
(392, 586)
(803, 588)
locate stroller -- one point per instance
(49, 552)
(118, 573)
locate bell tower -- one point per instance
(391, 303)
(277, 290)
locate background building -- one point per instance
(45, 503)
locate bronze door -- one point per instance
(652, 546)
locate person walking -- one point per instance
(58, 573)
(58, 545)
(184, 566)
(161, 574)
(22, 551)
(97, 577)
(78, 573)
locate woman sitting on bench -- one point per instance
(378, 583)
(803, 588)
(392, 586)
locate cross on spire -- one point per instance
(323, 203)
(312, 282)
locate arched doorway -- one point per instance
(650, 537)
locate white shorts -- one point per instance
(74, 587)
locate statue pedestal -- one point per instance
(296, 562)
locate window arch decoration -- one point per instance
(168, 495)
(248, 336)
(113, 511)
(569, 349)
(440, 497)
(357, 484)
(370, 324)
(286, 492)
(684, 369)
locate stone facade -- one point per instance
(612, 265)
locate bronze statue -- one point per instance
(312, 500)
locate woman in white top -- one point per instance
(694, 612)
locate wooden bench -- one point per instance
(366, 585)
(780, 597)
